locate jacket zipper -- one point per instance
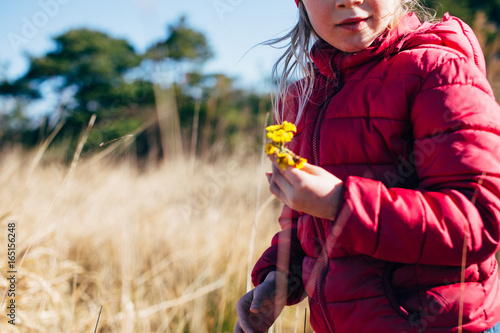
(322, 238)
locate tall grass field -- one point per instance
(160, 250)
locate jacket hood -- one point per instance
(451, 33)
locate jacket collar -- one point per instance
(330, 60)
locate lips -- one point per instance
(352, 20)
(354, 23)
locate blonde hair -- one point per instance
(296, 64)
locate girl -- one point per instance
(394, 224)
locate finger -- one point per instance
(262, 302)
(273, 187)
(281, 181)
(319, 171)
(244, 324)
(276, 167)
(313, 169)
(237, 328)
(246, 319)
(259, 297)
(273, 159)
(291, 174)
(256, 306)
(309, 168)
(275, 190)
(300, 178)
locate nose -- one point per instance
(348, 3)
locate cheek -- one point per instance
(316, 25)
(388, 8)
(321, 21)
(384, 16)
(320, 27)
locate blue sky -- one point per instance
(231, 26)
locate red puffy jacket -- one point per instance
(412, 128)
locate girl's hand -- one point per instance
(258, 309)
(310, 190)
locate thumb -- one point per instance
(259, 297)
(312, 169)
(256, 305)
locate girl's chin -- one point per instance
(353, 48)
(356, 44)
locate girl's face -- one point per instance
(350, 25)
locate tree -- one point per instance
(467, 9)
(184, 47)
(182, 43)
(89, 62)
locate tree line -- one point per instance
(159, 97)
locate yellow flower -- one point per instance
(284, 160)
(273, 128)
(286, 126)
(271, 149)
(280, 136)
(281, 155)
(289, 127)
(300, 163)
(282, 164)
(289, 160)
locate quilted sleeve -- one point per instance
(456, 155)
(285, 254)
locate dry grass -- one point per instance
(164, 250)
